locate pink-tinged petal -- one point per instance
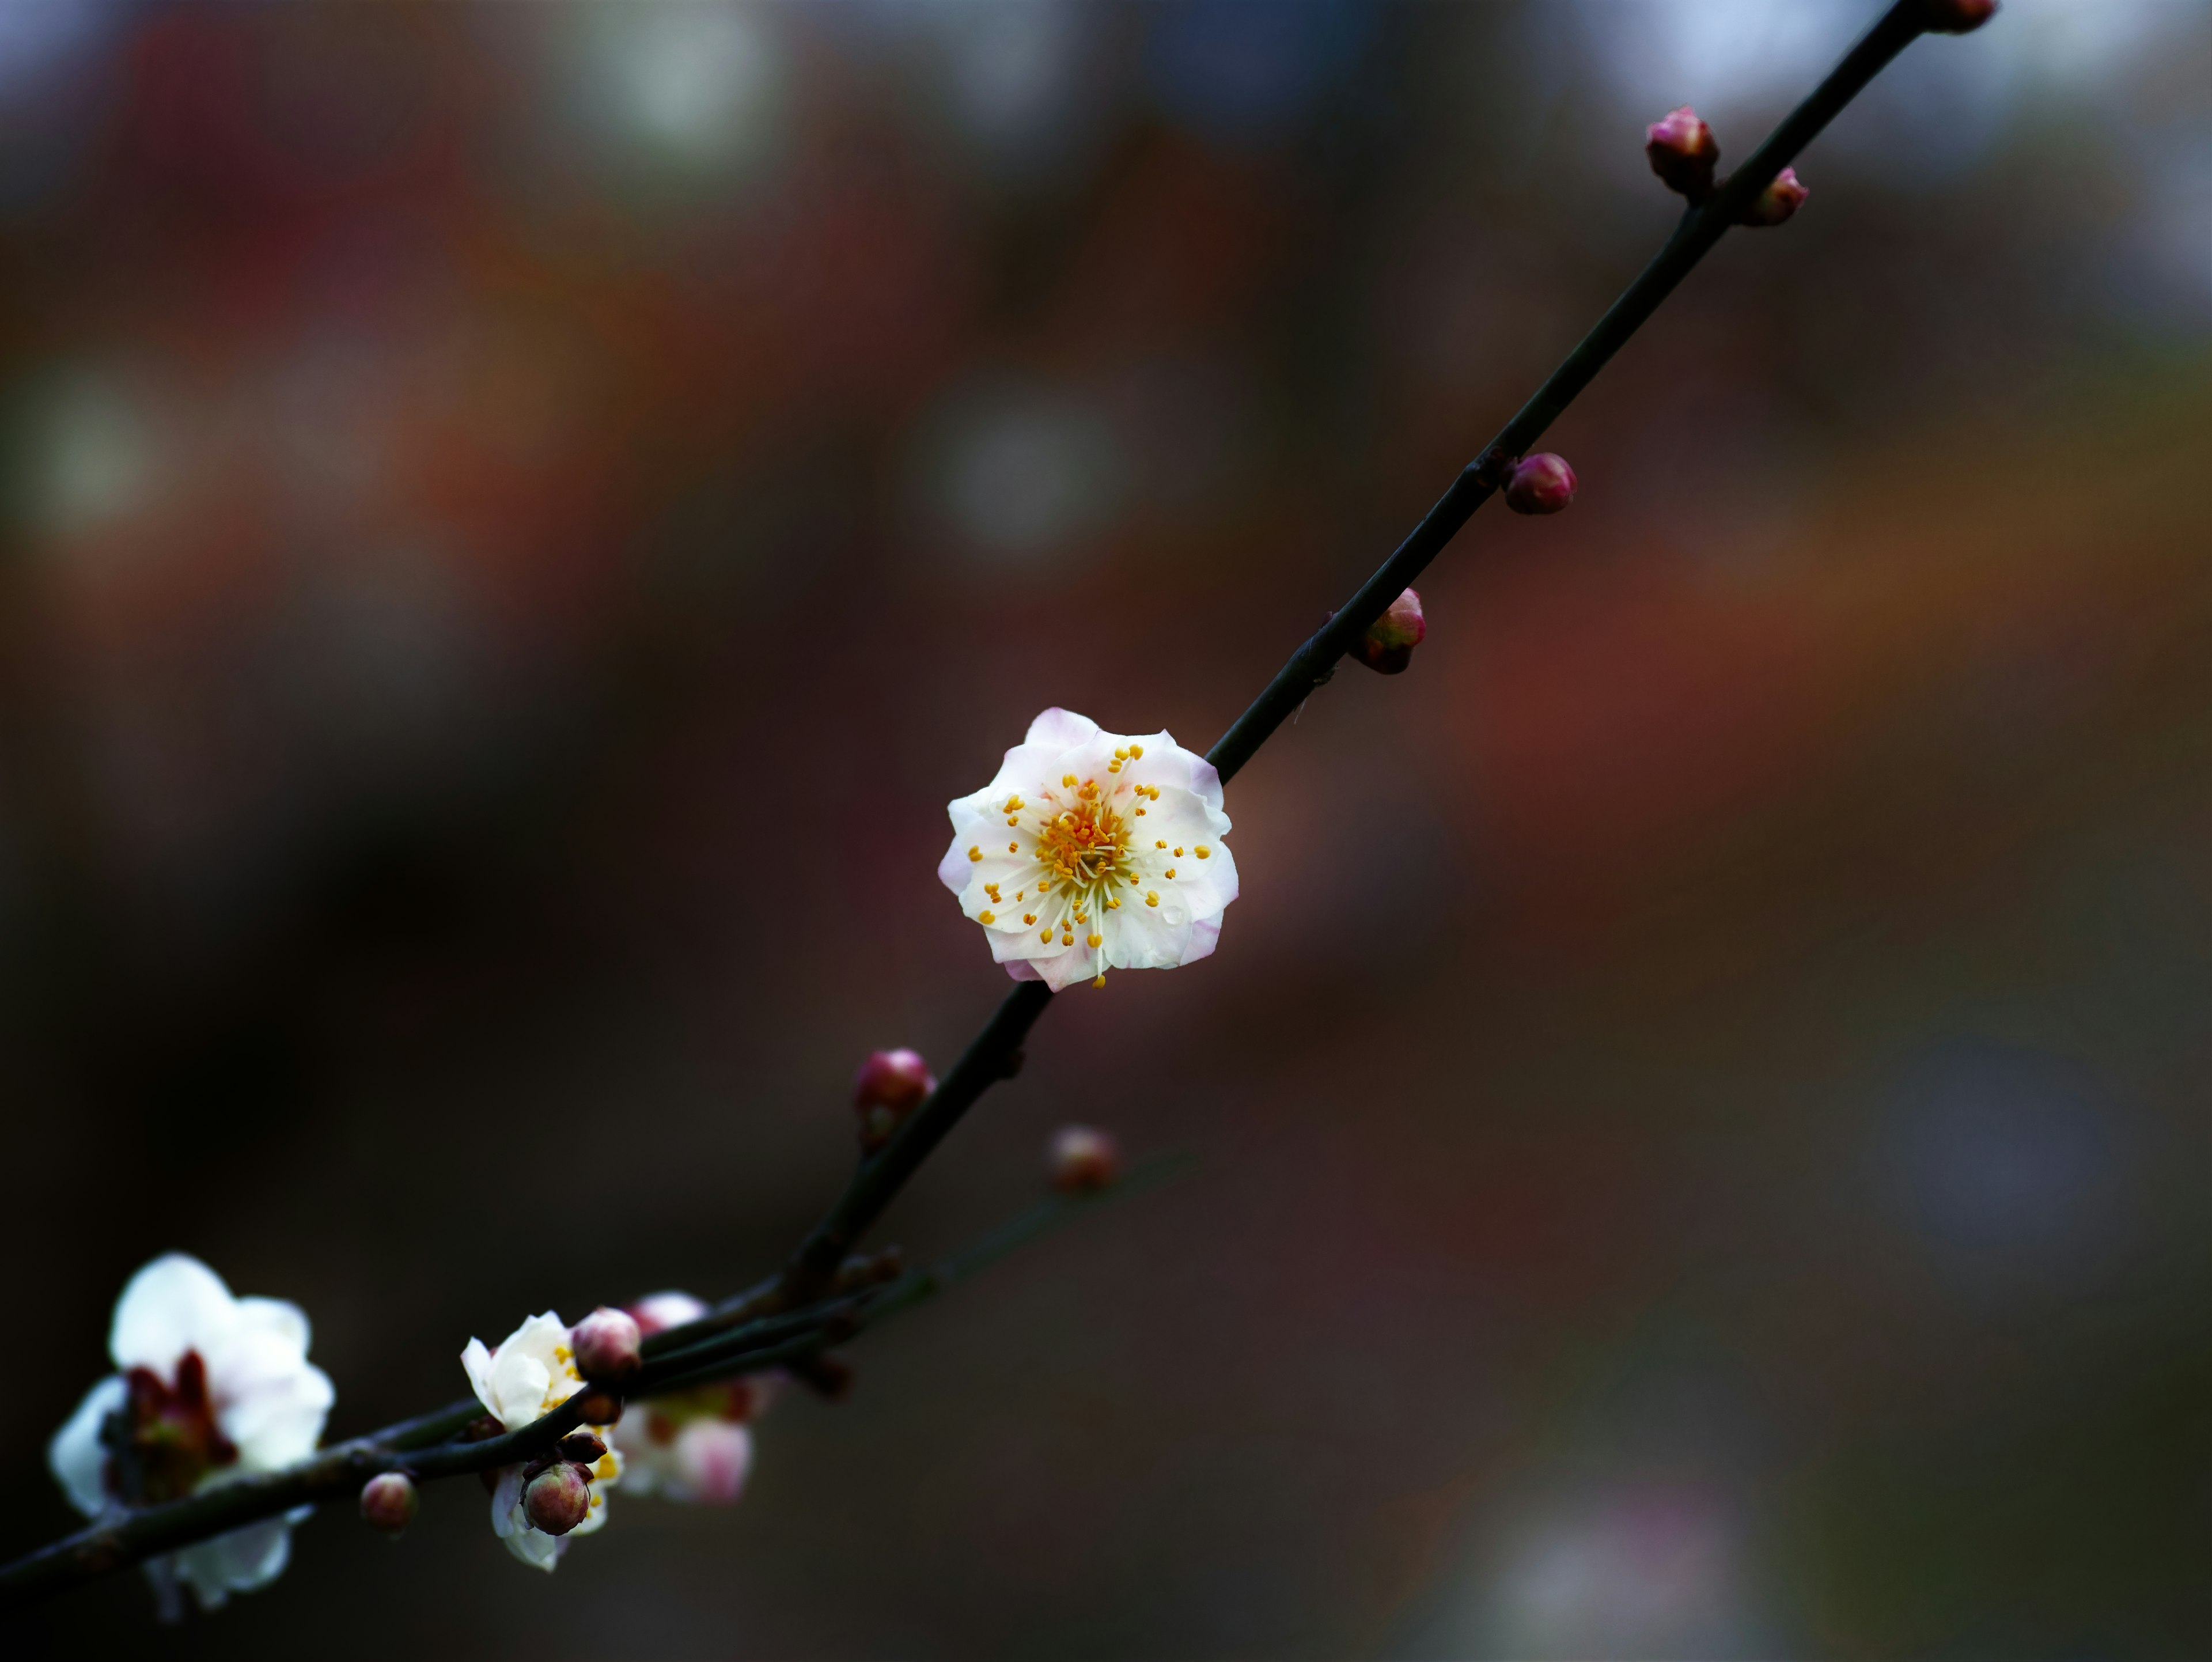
(76, 1457)
(712, 1458)
(657, 1311)
(1061, 729)
(1141, 937)
(1204, 934)
(173, 1305)
(1023, 968)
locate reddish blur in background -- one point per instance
(521, 517)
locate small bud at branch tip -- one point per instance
(1682, 153)
(1083, 1161)
(1541, 483)
(388, 1501)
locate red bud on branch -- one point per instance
(891, 1084)
(1083, 1160)
(1682, 152)
(558, 1498)
(1388, 646)
(1777, 201)
(1959, 16)
(606, 1343)
(1541, 483)
(388, 1501)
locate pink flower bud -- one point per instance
(1083, 1160)
(891, 1084)
(1682, 153)
(606, 1343)
(1958, 16)
(1777, 201)
(1541, 483)
(557, 1498)
(1388, 646)
(388, 1501)
(582, 1447)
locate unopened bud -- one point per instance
(606, 1343)
(891, 1084)
(581, 1446)
(1777, 201)
(388, 1501)
(1682, 152)
(557, 1498)
(1388, 646)
(1541, 483)
(711, 1458)
(598, 1406)
(1957, 16)
(1083, 1160)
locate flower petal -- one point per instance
(537, 1548)
(1061, 729)
(76, 1457)
(173, 1305)
(476, 1363)
(238, 1562)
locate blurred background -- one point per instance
(518, 519)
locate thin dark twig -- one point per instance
(749, 1332)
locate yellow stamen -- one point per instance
(1162, 843)
(1100, 982)
(1013, 847)
(1045, 936)
(976, 854)
(1113, 905)
(1172, 871)
(1203, 852)
(1152, 896)
(1136, 750)
(985, 917)
(1068, 780)
(1095, 940)
(1028, 917)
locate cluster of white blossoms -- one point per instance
(528, 1375)
(690, 1444)
(209, 1389)
(1092, 851)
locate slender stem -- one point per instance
(781, 1320)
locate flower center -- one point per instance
(1086, 845)
(164, 1439)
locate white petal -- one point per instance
(275, 1415)
(519, 1385)
(506, 1516)
(276, 1319)
(1061, 729)
(476, 1362)
(173, 1305)
(537, 1548)
(658, 1310)
(1141, 937)
(76, 1457)
(238, 1562)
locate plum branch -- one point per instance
(823, 1294)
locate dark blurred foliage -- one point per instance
(520, 517)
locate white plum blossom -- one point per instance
(532, 1372)
(209, 1389)
(689, 1445)
(1093, 851)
